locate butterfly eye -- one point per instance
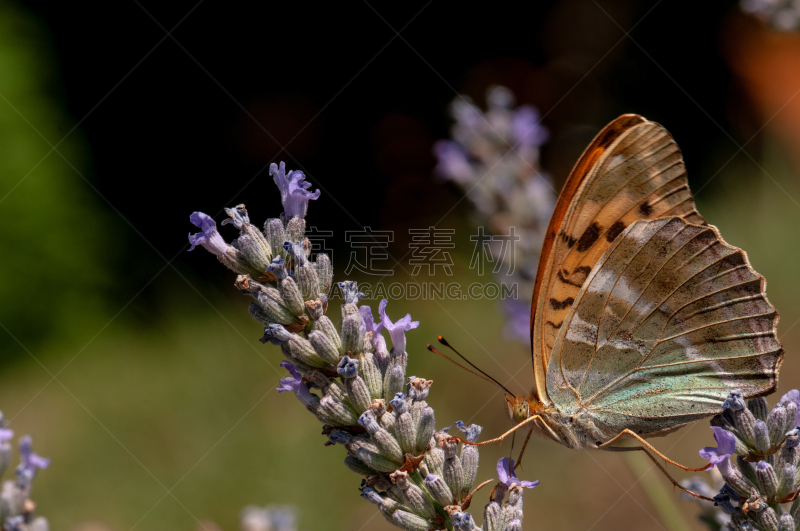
(521, 410)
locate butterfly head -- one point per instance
(518, 408)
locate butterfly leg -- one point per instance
(524, 445)
(506, 434)
(655, 461)
(606, 446)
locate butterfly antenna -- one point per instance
(482, 374)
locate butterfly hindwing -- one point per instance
(633, 170)
(668, 322)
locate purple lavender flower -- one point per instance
(369, 321)
(505, 472)
(526, 129)
(6, 435)
(294, 191)
(295, 384)
(209, 236)
(398, 329)
(719, 456)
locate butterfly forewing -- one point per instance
(633, 170)
(669, 321)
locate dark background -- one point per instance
(192, 121)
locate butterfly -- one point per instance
(643, 318)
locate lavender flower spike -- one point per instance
(726, 445)
(398, 329)
(793, 396)
(505, 471)
(294, 191)
(295, 384)
(208, 237)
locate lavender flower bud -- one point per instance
(255, 258)
(324, 270)
(791, 416)
(276, 235)
(734, 478)
(380, 351)
(404, 427)
(439, 489)
(322, 323)
(352, 329)
(425, 430)
(300, 350)
(372, 496)
(276, 334)
(761, 437)
(743, 419)
(767, 519)
(385, 418)
(296, 230)
(411, 522)
(776, 422)
(767, 479)
(491, 516)
(453, 471)
(786, 523)
(324, 347)
(5, 447)
(786, 481)
(270, 308)
(336, 412)
(382, 438)
(514, 525)
(464, 522)
(356, 388)
(435, 460)
(739, 522)
(393, 381)
(469, 456)
(304, 272)
(376, 460)
(371, 374)
(759, 408)
(287, 287)
(416, 500)
(358, 466)
(747, 469)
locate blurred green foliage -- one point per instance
(52, 264)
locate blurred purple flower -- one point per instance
(6, 435)
(793, 396)
(30, 459)
(505, 472)
(518, 319)
(526, 129)
(398, 329)
(209, 236)
(294, 190)
(453, 163)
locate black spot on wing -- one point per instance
(556, 326)
(563, 277)
(589, 237)
(615, 230)
(569, 240)
(645, 209)
(560, 305)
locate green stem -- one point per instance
(661, 500)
